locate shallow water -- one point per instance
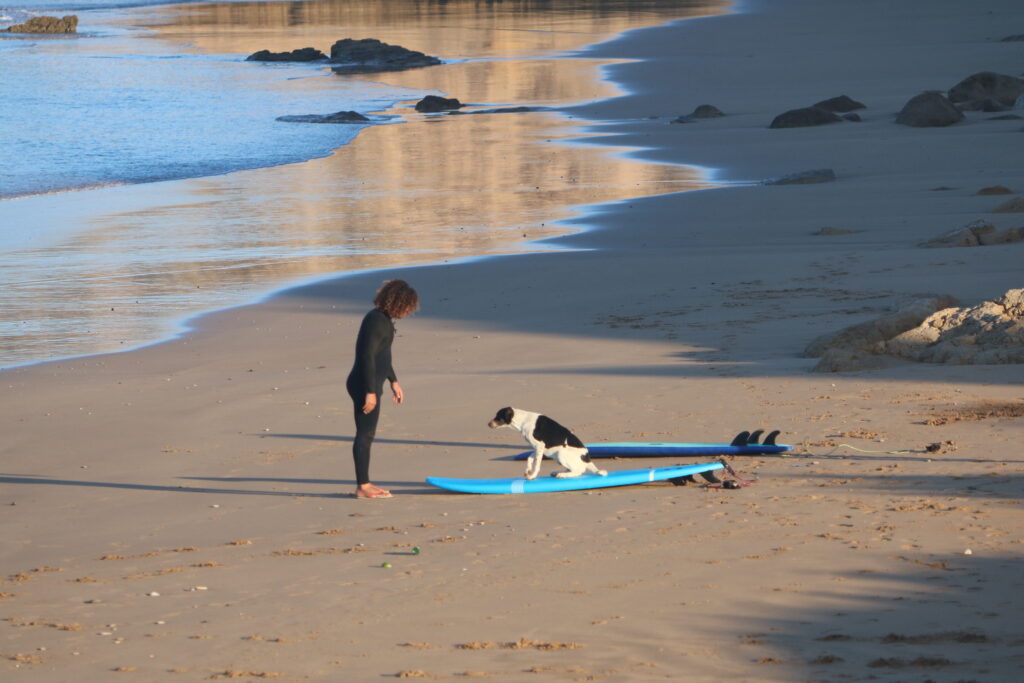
(114, 268)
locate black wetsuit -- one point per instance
(371, 367)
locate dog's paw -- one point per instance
(602, 473)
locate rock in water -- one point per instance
(433, 103)
(820, 175)
(369, 55)
(806, 116)
(306, 54)
(336, 117)
(68, 24)
(928, 110)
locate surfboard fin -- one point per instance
(754, 436)
(740, 439)
(770, 439)
(683, 480)
(710, 478)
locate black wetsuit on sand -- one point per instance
(371, 367)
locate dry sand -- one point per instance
(176, 513)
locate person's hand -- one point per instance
(398, 396)
(371, 404)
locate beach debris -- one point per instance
(968, 551)
(820, 175)
(153, 594)
(702, 111)
(828, 231)
(336, 117)
(929, 110)
(415, 550)
(979, 233)
(369, 55)
(305, 54)
(987, 86)
(67, 24)
(432, 104)
(840, 104)
(385, 565)
(804, 117)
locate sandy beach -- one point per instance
(180, 512)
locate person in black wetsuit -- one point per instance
(365, 384)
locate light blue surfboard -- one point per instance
(586, 481)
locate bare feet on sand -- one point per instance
(371, 491)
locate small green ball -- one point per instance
(386, 565)
(415, 550)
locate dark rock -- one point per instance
(1006, 117)
(706, 111)
(336, 117)
(68, 24)
(840, 104)
(503, 110)
(830, 232)
(821, 175)
(433, 103)
(306, 54)
(371, 56)
(927, 110)
(852, 116)
(994, 189)
(1013, 39)
(987, 84)
(703, 111)
(807, 116)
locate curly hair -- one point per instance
(396, 299)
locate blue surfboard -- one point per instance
(745, 443)
(586, 481)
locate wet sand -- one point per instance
(179, 512)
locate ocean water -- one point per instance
(109, 106)
(144, 178)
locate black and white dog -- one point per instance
(548, 438)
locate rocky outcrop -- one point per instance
(1013, 39)
(840, 105)
(855, 347)
(930, 331)
(977, 234)
(989, 333)
(973, 91)
(336, 117)
(928, 110)
(369, 55)
(806, 116)
(68, 24)
(820, 175)
(432, 104)
(306, 54)
(502, 110)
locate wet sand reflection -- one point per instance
(424, 190)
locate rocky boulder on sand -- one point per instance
(972, 92)
(990, 333)
(68, 24)
(806, 116)
(370, 55)
(841, 104)
(930, 331)
(929, 110)
(703, 111)
(306, 54)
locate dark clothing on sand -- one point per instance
(371, 367)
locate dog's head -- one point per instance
(503, 418)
